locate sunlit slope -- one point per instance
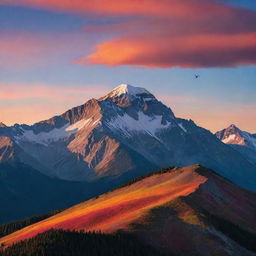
(116, 210)
(181, 211)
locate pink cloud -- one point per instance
(19, 50)
(18, 91)
(28, 114)
(193, 9)
(187, 34)
(27, 49)
(29, 103)
(166, 33)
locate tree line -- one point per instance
(72, 243)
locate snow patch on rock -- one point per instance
(45, 138)
(182, 127)
(127, 89)
(147, 124)
(244, 138)
(229, 139)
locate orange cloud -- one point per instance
(165, 33)
(187, 34)
(209, 50)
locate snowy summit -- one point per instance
(127, 89)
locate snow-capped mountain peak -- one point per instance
(128, 130)
(127, 93)
(233, 135)
(128, 89)
(242, 141)
(134, 110)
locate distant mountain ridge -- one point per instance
(123, 132)
(242, 141)
(25, 192)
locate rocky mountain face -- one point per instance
(242, 141)
(120, 134)
(182, 211)
(7, 151)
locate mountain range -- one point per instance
(108, 141)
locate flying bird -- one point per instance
(197, 76)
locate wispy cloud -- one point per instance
(212, 50)
(188, 34)
(29, 49)
(18, 91)
(166, 33)
(29, 103)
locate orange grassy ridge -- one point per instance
(117, 209)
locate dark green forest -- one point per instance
(71, 243)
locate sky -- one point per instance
(55, 55)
